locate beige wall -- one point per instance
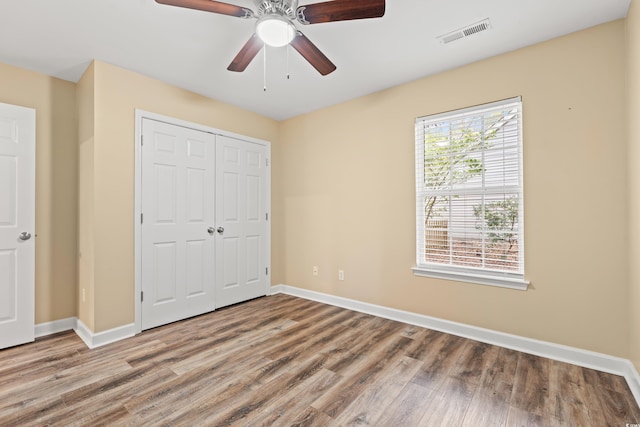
(118, 93)
(343, 190)
(56, 178)
(346, 183)
(633, 82)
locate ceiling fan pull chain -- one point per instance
(264, 68)
(288, 74)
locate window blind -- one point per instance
(469, 204)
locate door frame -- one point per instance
(140, 115)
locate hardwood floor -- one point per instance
(282, 360)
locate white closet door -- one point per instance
(241, 219)
(17, 224)
(178, 184)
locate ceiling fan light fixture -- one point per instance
(275, 30)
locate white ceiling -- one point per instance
(192, 49)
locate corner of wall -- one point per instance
(632, 26)
(85, 104)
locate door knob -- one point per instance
(24, 236)
(211, 230)
(220, 230)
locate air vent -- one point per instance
(467, 31)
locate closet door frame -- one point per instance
(139, 116)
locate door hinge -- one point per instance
(141, 218)
(267, 216)
(267, 161)
(267, 271)
(141, 140)
(141, 296)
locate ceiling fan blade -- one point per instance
(246, 54)
(211, 6)
(312, 54)
(340, 10)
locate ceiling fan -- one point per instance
(275, 24)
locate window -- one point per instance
(469, 195)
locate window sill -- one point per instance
(499, 281)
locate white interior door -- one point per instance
(17, 224)
(177, 244)
(241, 218)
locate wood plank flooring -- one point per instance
(282, 360)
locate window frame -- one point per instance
(477, 275)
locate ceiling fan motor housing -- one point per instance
(285, 8)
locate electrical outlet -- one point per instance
(315, 270)
(340, 274)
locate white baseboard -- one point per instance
(84, 333)
(633, 380)
(562, 353)
(48, 328)
(93, 339)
